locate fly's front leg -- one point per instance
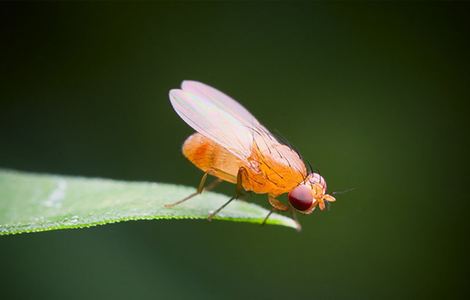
(241, 177)
(279, 206)
(294, 216)
(199, 190)
(276, 205)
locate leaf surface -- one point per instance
(32, 202)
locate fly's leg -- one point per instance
(239, 190)
(276, 206)
(294, 216)
(279, 206)
(199, 190)
(267, 217)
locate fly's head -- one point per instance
(310, 194)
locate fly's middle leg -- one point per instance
(241, 177)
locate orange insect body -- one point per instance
(211, 158)
(263, 175)
(233, 146)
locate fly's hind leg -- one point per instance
(199, 190)
(241, 177)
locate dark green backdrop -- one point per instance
(374, 95)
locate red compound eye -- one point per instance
(301, 198)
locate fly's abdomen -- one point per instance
(212, 158)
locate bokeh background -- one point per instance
(375, 95)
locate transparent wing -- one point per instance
(220, 99)
(226, 122)
(207, 118)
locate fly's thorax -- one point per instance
(266, 175)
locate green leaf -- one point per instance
(37, 202)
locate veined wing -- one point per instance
(222, 100)
(204, 116)
(226, 122)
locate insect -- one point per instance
(231, 145)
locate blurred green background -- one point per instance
(375, 95)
